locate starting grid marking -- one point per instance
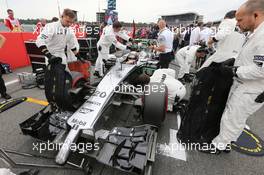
(174, 149)
(12, 82)
(30, 100)
(36, 101)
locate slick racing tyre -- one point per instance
(155, 104)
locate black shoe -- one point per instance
(213, 150)
(6, 96)
(228, 149)
(209, 148)
(96, 73)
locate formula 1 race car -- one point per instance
(73, 113)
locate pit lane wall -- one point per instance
(14, 50)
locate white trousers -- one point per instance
(99, 64)
(240, 105)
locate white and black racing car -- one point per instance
(72, 113)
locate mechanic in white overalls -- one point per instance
(108, 38)
(176, 90)
(246, 95)
(187, 56)
(228, 41)
(56, 37)
(195, 37)
(165, 45)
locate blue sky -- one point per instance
(139, 10)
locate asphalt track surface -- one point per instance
(196, 163)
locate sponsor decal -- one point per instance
(84, 110)
(93, 103)
(78, 122)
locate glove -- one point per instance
(78, 56)
(132, 48)
(104, 61)
(229, 62)
(51, 58)
(46, 52)
(129, 48)
(99, 48)
(188, 78)
(260, 98)
(228, 71)
(149, 43)
(54, 60)
(131, 40)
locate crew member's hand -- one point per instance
(129, 48)
(78, 56)
(104, 61)
(47, 53)
(228, 71)
(54, 60)
(131, 40)
(151, 47)
(210, 43)
(51, 58)
(129, 44)
(132, 48)
(99, 48)
(229, 62)
(260, 98)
